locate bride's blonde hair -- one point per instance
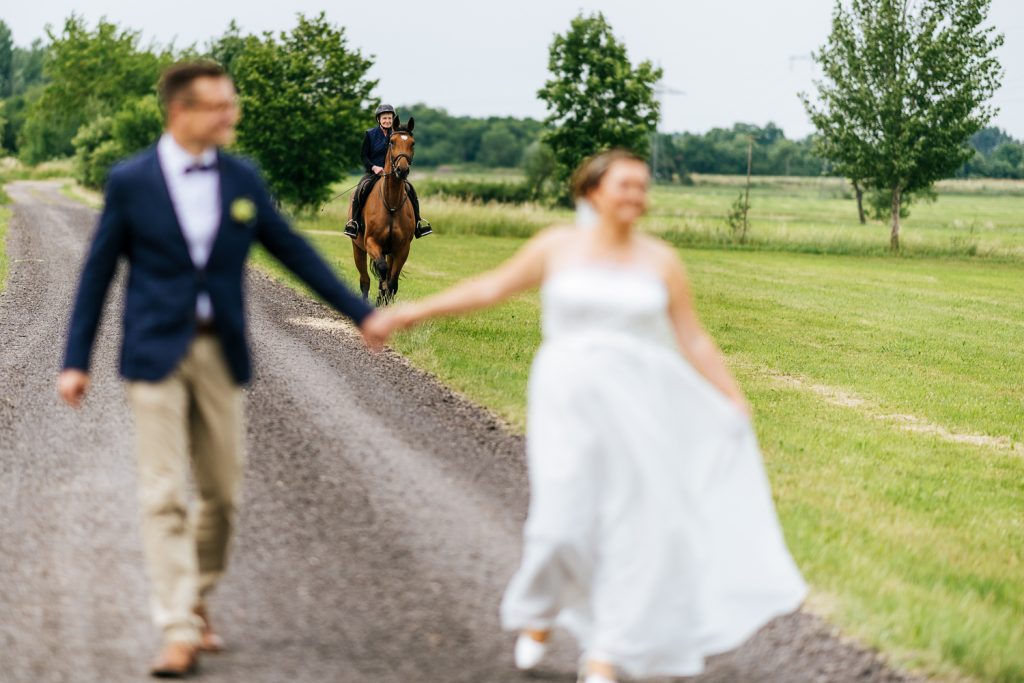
(589, 174)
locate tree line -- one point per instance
(89, 92)
(445, 139)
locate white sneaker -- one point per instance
(597, 678)
(529, 652)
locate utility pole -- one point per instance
(660, 90)
(746, 197)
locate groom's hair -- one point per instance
(176, 80)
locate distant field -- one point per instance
(818, 215)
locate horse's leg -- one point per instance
(398, 260)
(359, 255)
(379, 264)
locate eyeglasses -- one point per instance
(216, 107)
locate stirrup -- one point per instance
(352, 229)
(423, 228)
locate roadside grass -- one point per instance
(913, 541)
(12, 169)
(5, 216)
(79, 193)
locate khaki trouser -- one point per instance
(194, 416)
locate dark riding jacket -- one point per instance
(375, 147)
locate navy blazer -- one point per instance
(139, 223)
(375, 147)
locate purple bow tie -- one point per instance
(212, 166)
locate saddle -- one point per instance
(363, 189)
(362, 193)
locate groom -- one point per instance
(184, 215)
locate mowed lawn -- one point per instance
(889, 395)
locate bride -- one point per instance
(651, 534)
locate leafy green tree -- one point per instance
(27, 67)
(905, 86)
(95, 151)
(25, 79)
(996, 155)
(6, 61)
(595, 97)
(539, 167)
(107, 139)
(228, 46)
(89, 73)
(1007, 160)
(987, 139)
(499, 147)
(305, 97)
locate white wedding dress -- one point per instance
(651, 535)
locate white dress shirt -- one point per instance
(196, 200)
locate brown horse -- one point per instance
(388, 219)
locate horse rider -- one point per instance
(375, 148)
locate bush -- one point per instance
(106, 139)
(880, 202)
(541, 169)
(479, 191)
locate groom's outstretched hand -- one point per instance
(72, 385)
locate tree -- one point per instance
(103, 141)
(6, 61)
(596, 99)
(89, 73)
(25, 86)
(227, 47)
(499, 147)
(905, 86)
(996, 155)
(539, 167)
(987, 139)
(305, 101)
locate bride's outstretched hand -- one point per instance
(400, 317)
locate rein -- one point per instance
(394, 163)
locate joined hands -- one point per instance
(378, 327)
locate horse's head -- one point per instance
(401, 148)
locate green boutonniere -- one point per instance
(243, 210)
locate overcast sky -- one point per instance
(734, 60)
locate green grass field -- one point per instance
(889, 394)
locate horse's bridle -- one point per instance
(394, 166)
